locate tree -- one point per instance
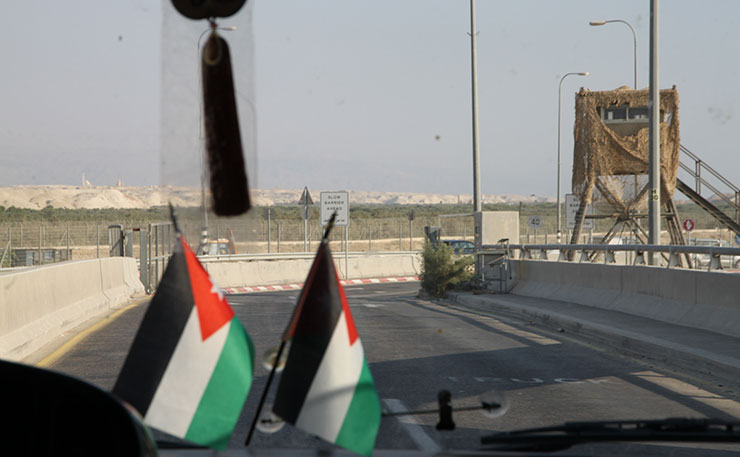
(441, 272)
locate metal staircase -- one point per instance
(694, 194)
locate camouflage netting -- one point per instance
(610, 170)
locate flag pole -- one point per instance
(174, 219)
(264, 392)
(284, 340)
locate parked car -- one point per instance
(221, 246)
(460, 246)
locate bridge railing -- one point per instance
(710, 257)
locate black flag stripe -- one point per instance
(313, 331)
(158, 335)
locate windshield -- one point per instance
(376, 112)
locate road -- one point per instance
(417, 347)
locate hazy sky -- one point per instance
(353, 94)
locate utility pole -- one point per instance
(654, 138)
(477, 206)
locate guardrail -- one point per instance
(714, 257)
(295, 255)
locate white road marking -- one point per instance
(412, 426)
(488, 379)
(372, 305)
(683, 388)
(533, 337)
(528, 381)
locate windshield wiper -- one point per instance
(563, 436)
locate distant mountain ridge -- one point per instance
(101, 197)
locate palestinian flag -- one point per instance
(326, 388)
(190, 366)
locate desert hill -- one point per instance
(92, 197)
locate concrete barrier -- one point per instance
(699, 299)
(37, 305)
(285, 271)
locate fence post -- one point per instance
(144, 260)
(269, 236)
(41, 260)
(69, 253)
(411, 235)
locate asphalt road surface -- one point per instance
(417, 347)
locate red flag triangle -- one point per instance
(213, 310)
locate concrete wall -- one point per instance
(286, 271)
(37, 305)
(700, 299)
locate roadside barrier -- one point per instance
(39, 304)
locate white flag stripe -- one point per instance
(186, 378)
(333, 387)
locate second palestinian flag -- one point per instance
(190, 366)
(326, 387)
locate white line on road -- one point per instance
(683, 388)
(533, 337)
(412, 425)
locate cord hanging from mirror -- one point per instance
(228, 178)
(223, 144)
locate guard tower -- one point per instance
(610, 161)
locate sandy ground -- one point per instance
(78, 197)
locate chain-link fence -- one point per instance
(38, 243)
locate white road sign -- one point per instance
(335, 201)
(535, 222)
(572, 202)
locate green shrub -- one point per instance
(441, 272)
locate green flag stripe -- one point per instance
(223, 399)
(362, 421)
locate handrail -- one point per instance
(665, 248)
(708, 184)
(716, 174)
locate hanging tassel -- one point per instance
(227, 173)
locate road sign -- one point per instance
(335, 201)
(688, 225)
(305, 198)
(535, 222)
(572, 203)
(737, 239)
(412, 215)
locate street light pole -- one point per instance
(560, 90)
(474, 84)
(477, 205)
(654, 137)
(634, 39)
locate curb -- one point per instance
(344, 282)
(632, 344)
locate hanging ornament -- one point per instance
(226, 168)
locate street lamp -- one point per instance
(560, 89)
(204, 230)
(634, 38)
